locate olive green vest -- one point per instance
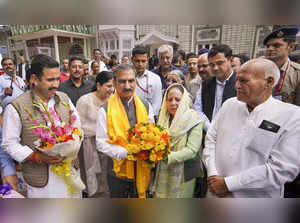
(36, 175)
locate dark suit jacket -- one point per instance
(208, 92)
(27, 68)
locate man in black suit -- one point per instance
(215, 90)
(23, 68)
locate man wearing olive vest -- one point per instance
(18, 139)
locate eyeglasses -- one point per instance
(172, 81)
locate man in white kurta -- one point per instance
(252, 147)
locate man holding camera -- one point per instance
(11, 85)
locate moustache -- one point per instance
(127, 90)
(52, 88)
(203, 72)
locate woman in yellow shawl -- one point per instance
(176, 177)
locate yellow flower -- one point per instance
(132, 149)
(131, 157)
(143, 129)
(153, 157)
(76, 131)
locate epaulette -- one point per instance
(295, 65)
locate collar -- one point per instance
(285, 65)
(172, 68)
(220, 83)
(36, 100)
(144, 74)
(196, 78)
(260, 106)
(72, 84)
(8, 77)
(125, 102)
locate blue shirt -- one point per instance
(162, 78)
(7, 165)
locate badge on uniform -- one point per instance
(269, 126)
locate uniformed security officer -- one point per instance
(280, 43)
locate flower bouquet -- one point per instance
(148, 142)
(58, 138)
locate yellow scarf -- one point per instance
(117, 127)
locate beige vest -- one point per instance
(36, 175)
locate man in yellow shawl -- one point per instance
(123, 110)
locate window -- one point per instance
(112, 44)
(117, 44)
(127, 44)
(126, 53)
(106, 45)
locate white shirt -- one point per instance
(114, 151)
(152, 90)
(102, 66)
(219, 95)
(18, 85)
(255, 162)
(218, 101)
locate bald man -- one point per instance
(257, 151)
(203, 67)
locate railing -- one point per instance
(22, 29)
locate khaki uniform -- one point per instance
(290, 90)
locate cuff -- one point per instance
(25, 153)
(211, 170)
(171, 158)
(233, 183)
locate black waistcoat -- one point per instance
(208, 93)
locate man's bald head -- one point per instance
(268, 67)
(255, 80)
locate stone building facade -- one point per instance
(243, 39)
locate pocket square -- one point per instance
(269, 126)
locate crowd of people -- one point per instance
(233, 122)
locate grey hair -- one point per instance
(178, 73)
(165, 48)
(123, 66)
(269, 67)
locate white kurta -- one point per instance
(12, 126)
(255, 162)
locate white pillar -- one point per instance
(56, 48)
(26, 50)
(71, 39)
(120, 47)
(193, 39)
(84, 48)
